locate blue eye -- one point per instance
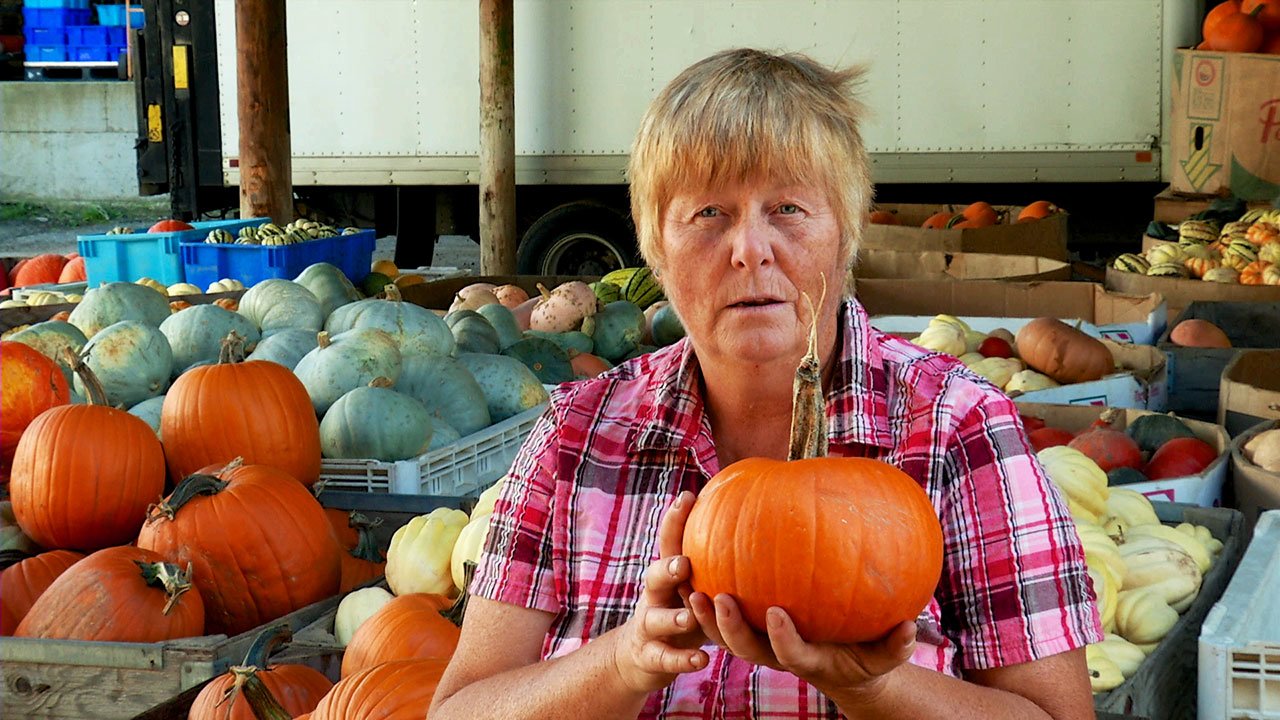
(788, 209)
(708, 212)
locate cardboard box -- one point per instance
(1139, 382)
(1249, 390)
(1225, 119)
(1256, 490)
(935, 265)
(1138, 318)
(1180, 292)
(1195, 374)
(1172, 206)
(1203, 489)
(438, 294)
(1042, 238)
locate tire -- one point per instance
(579, 238)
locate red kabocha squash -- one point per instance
(1031, 423)
(399, 690)
(26, 580)
(84, 475)
(1062, 352)
(256, 410)
(1049, 437)
(406, 627)
(120, 594)
(39, 270)
(238, 693)
(1180, 457)
(260, 543)
(1106, 446)
(73, 271)
(365, 561)
(32, 384)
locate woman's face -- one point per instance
(737, 260)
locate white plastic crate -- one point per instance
(463, 468)
(1239, 652)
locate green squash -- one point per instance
(274, 305)
(374, 284)
(574, 342)
(196, 334)
(376, 422)
(347, 361)
(417, 330)
(149, 411)
(51, 338)
(606, 292)
(443, 436)
(330, 286)
(111, 303)
(286, 347)
(472, 333)
(447, 389)
(503, 323)
(1150, 432)
(546, 359)
(509, 387)
(132, 361)
(667, 328)
(615, 330)
(1125, 476)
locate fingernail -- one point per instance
(679, 501)
(774, 618)
(673, 567)
(682, 618)
(698, 660)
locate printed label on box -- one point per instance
(1205, 90)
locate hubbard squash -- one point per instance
(132, 360)
(509, 387)
(615, 330)
(376, 422)
(546, 359)
(274, 305)
(472, 333)
(447, 389)
(285, 347)
(111, 303)
(1062, 352)
(413, 328)
(344, 362)
(196, 336)
(330, 286)
(149, 411)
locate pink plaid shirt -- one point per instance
(577, 523)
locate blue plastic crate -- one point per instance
(115, 36)
(205, 263)
(90, 53)
(57, 4)
(46, 53)
(113, 15)
(44, 36)
(88, 36)
(111, 258)
(54, 17)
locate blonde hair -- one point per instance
(744, 115)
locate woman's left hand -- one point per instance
(859, 668)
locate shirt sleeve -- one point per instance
(517, 565)
(1014, 584)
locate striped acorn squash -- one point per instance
(1131, 262)
(1225, 275)
(219, 236)
(1197, 231)
(1166, 253)
(1168, 269)
(642, 289)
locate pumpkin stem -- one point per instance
(322, 339)
(456, 612)
(173, 579)
(12, 556)
(186, 491)
(808, 407)
(381, 382)
(266, 644)
(319, 487)
(392, 293)
(94, 394)
(546, 294)
(232, 350)
(262, 703)
(367, 546)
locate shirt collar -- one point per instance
(856, 403)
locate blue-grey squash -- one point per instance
(509, 387)
(51, 338)
(330, 286)
(615, 330)
(346, 361)
(416, 329)
(574, 342)
(131, 359)
(111, 303)
(546, 359)
(449, 391)
(376, 422)
(196, 334)
(472, 333)
(286, 347)
(443, 436)
(503, 323)
(275, 304)
(665, 327)
(149, 411)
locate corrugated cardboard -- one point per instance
(1179, 292)
(1139, 382)
(1203, 489)
(1137, 318)
(1041, 238)
(935, 265)
(1172, 206)
(1256, 490)
(438, 294)
(1195, 374)
(1225, 119)
(1249, 390)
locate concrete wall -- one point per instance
(68, 140)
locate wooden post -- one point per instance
(497, 138)
(266, 182)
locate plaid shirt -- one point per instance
(576, 524)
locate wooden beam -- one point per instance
(262, 71)
(497, 138)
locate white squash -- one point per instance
(467, 548)
(1127, 656)
(1263, 450)
(1079, 478)
(1029, 381)
(1130, 508)
(1166, 571)
(1142, 617)
(354, 609)
(488, 498)
(1104, 674)
(1187, 543)
(421, 551)
(182, 289)
(998, 370)
(944, 338)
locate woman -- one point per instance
(749, 189)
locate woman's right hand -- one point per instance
(662, 639)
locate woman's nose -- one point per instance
(752, 242)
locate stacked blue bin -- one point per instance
(45, 24)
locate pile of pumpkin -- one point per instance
(1145, 574)
(1045, 353)
(975, 215)
(1251, 26)
(46, 269)
(1245, 252)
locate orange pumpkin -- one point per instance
(1219, 13)
(365, 561)
(1236, 32)
(1268, 13)
(32, 384)
(1252, 273)
(73, 271)
(408, 626)
(1037, 210)
(1062, 352)
(1199, 334)
(979, 214)
(169, 226)
(399, 690)
(22, 583)
(38, 270)
(1262, 233)
(295, 689)
(937, 221)
(884, 217)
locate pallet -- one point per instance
(72, 71)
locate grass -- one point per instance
(78, 213)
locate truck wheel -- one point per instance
(579, 238)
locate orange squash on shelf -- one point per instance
(1037, 210)
(39, 270)
(1252, 273)
(1236, 32)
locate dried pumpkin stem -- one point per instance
(381, 382)
(187, 490)
(456, 612)
(266, 644)
(94, 394)
(322, 339)
(173, 579)
(367, 546)
(808, 408)
(392, 292)
(263, 704)
(232, 350)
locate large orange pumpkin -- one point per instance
(1037, 210)
(408, 626)
(83, 475)
(32, 384)
(1217, 15)
(120, 594)
(1268, 13)
(39, 270)
(256, 410)
(25, 581)
(1062, 352)
(260, 543)
(1236, 32)
(73, 271)
(295, 689)
(399, 690)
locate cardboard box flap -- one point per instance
(1143, 361)
(1250, 390)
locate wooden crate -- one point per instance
(1164, 688)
